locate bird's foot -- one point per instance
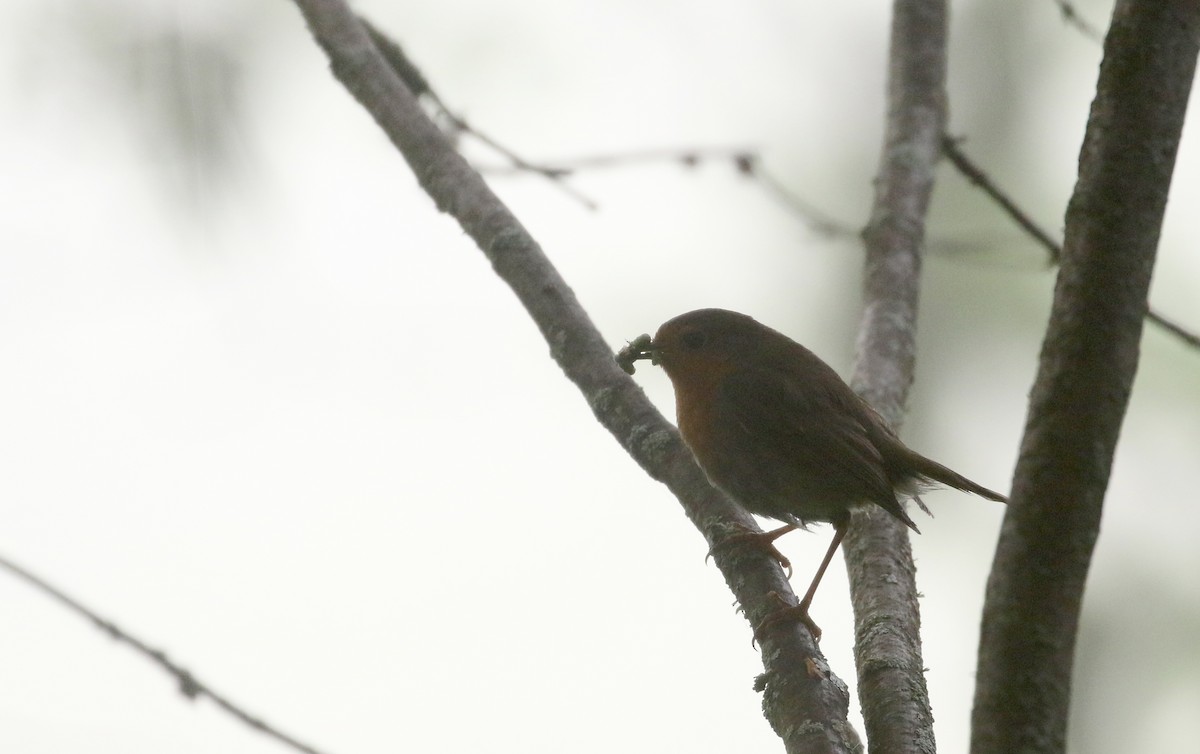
(787, 614)
(762, 539)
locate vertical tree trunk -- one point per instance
(887, 620)
(1087, 365)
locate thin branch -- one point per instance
(816, 220)
(1086, 369)
(1188, 337)
(418, 84)
(189, 685)
(804, 702)
(976, 175)
(553, 174)
(1073, 18)
(747, 162)
(686, 157)
(887, 621)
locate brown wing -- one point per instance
(815, 442)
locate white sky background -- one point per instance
(275, 415)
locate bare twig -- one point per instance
(977, 176)
(189, 685)
(686, 157)
(555, 175)
(804, 702)
(747, 162)
(974, 173)
(1086, 369)
(1188, 337)
(816, 220)
(1073, 18)
(416, 82)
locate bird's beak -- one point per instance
(641, 347)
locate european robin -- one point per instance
(779, 432)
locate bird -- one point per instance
(781, 434)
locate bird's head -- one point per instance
(702, 342)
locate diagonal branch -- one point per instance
(973, 173)
(1085, 375)
(891, 679)
(189, 685)
(1073, 18)
(977, 176)
(416, 82)
(804, 702)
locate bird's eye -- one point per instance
(694, 340)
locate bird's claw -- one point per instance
(762, 539)
(786, 613)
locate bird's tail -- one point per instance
(934, 471)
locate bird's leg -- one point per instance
(800, 611)
(763, 539)
(839, 532)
